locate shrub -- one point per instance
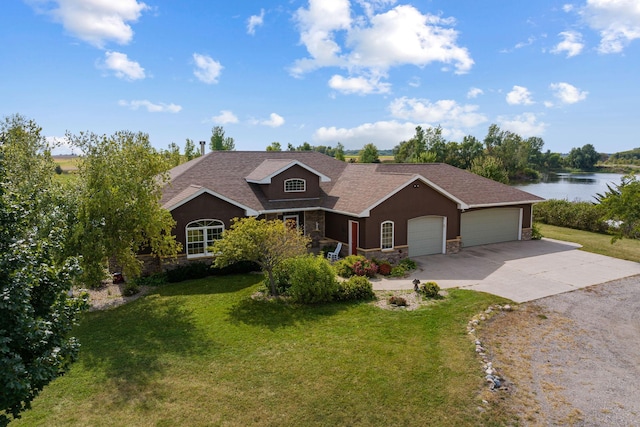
(398, 271)
(579, 215)
(365, 268)
(396, 300)
(536, 234)
(193, 270)
(384, 268)
(430, 289)
(357, 288)
(408, 264)
(130, 288)
(344, 267)
(311, 279)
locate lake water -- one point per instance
(572, 187)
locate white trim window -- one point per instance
(386, 235)
(200, 236)
(295, 185)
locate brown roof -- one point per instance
(347, 190)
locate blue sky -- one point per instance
(326, 71)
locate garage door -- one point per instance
(490, 226)
(426, 235)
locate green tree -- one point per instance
(119, 212)
(338, 153)
(172, 154)
(584, 158)
(36, 311)
(219, 142)
(490, 167)
(274, 146)
(368, 154)
(267, 243)
(621, 204)
(470, 149)
(190, 151)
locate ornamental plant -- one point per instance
(365, 268)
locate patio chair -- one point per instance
(335, 255)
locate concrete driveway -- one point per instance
(520, 271)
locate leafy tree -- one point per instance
(584, 158)
(219, 142)
(369, 154)
(469, 150)
(274, 146)
(173, 155)
(621, 204)
(426, 146)
(267, 243)
(36, 312)
(190, 151)
(339, 152)
(119, 212)
(490, 167)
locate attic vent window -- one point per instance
(295, 185)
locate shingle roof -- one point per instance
(349, 189)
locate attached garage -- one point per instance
(486, 226)
(426, 235)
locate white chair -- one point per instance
(335, 255)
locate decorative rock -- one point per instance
(507, 307)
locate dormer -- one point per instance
(282, 179)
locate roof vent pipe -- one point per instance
(202, 145)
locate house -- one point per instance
(376, 210)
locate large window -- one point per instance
(200, 236)
(295, 185)
(386, 235)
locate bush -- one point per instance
(536, 234)
(384, 268)
(307, 279)
(193, 270)
(399, 301)
(130, 288)
(430, 289)
(579, 215)
(357, 288)
(398, 271)
(408, 264)
(365, 268)
(344, 267)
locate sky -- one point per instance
(325, 71)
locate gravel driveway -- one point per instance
(573, 358)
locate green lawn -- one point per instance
(204, 353)
(594, 242)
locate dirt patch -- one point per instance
(412, 299)
(110, 295)
(571, 359)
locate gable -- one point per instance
(271, 168)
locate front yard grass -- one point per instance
(628, 249)
(204, 353)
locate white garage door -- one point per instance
(490, 226)
(426, 235)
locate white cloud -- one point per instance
(572, 44)
(255, 21)
(274, 121)
(568, 94)
(94, 21)
(372, 43)
(224, 118)
(525, 125)
(207, 69)
(123, 67)
(519, 96)
(474, 92)
(150, 106)
(359, 85)
(444, 112)
(61, 145)
(617, 21)
(384, 134)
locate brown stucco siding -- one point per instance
(415, 200)
(275, 190)
(204, 206)
(337, 226)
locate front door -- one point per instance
(354, 234)
(291, 221)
